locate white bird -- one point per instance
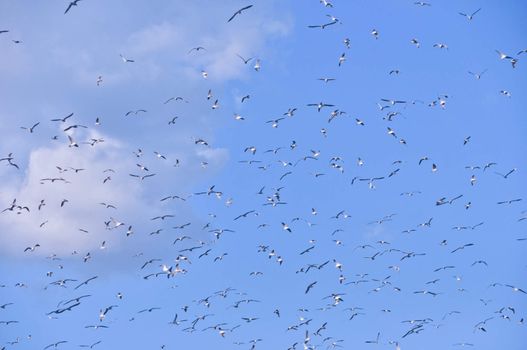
(470, 16)
(126, 60)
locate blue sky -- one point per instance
(53, 71)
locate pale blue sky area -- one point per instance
(196, 177)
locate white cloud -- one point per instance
(84, 191)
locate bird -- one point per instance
(31, 249)
(197, 49)
(55, 345)
(477, 75)
(416, 43)
(245, 60)
(311, 285)
(239, 12)
(126, 60)
(70, 5)
(342, 59)
(30, 129)
(505, 176)
(86, 282)
(64, 119)
(470, 16)
(257, 65)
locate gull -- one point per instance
(63, 120)
(251, 149)
(516, 289)
(335, 114)
(466, 140)
(246, 97)
(342, 59)
(9, 159)
(163, 217)
(86, 282)
(426, 292)
(422, 3)
(173, 120)
(333, 18)
(444, 268)
(216, 105)
(99, 80)
(30, 129)
(206, 253)
(245, 61)
(510, 201)
(175, 321)
(503, 56)
(159, 155)
(506, 175)
(62, 341)
(286, 227)
(416, 43)
(320, 105)
(126, 60)
(244, 215)
(505, 93)
(274, 122)
(257, 65)
(96, 326)
(142, 177)
(391, 132)
(376, 341)
(375, 34)
(322, 26)
(441, 46)
(149, 310)
(198, 48)
(90, 346)
(135, 112)
(75, 126)
(462, 247)
(4, 31)
(477, 75)
(326, 80)
(72, 142)
(177, 98)
(469, 16)
(392, 102)
(71, 4)
(32, 249)
(239, 12)
(488, 165)
(290, 112)
(7, 323)
(201, 142)
(220, 257)
(4, 305)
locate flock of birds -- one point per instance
(227, 312)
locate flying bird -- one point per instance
(71, 4)
(239, 12)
